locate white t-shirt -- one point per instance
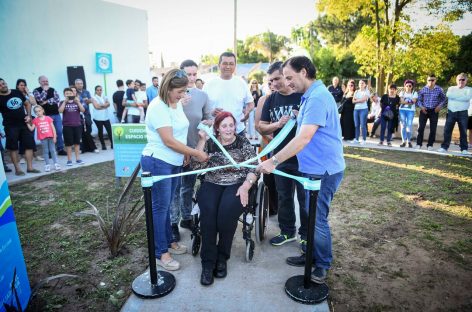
(406, 97)
(231, 95)
(131, 109)
(100, 114)
(358, 95)
(161, 115)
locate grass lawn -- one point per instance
(401, 222)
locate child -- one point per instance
(71, 124)
(46, 133)
(130, 99)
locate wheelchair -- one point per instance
(254, 217)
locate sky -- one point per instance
(186, 29)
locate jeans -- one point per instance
(461, 118)
(286, 214)
(48, 147)
(58, 125)
(376, 124)
(433, 124)
(220, 209)
(386, 124)
(100, 124)
(360, 121)
(162, 193)
(406, 118)
(322, 254)
(132, 119)
(182, 202)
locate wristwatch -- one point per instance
(275, 161)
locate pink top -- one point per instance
(44, 127)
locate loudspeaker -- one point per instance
(76, 72)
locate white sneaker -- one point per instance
(96, 150)
(47, 168)
(22, 161)
(57, 166)
(418, 147)
(39, 158)
(442, 150)
(363, 142)
(354, 141)
(430, 148)
(465, 152)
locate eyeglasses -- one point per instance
(431, 79)
(180, 74)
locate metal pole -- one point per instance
(313, 197)
(235, 40)
(150, 229)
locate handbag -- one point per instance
(388, 114)
(341, 106)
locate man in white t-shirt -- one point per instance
(230, 93)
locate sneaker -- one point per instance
(380, 143)
(47, 168)
(354, 141)
(62, 153)
(39, 158)
(410, 145)
(465, 152)
(281, 239)
(297, 261)
(319, 275)
(104, 148)
(96, 150)
(19, 173)
(389, 144)
(33, 171)
(403, 144)
(69, 163)
(22, 161)
(80, 162)
(180, 250)
(303, 246)
(418, 147)
(363, 142)
(123, 121)
(442, 150)
(7, 169)
(430, 148)
(57, 166)
(169, 265)
(175, 232)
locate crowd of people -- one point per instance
(394, 108)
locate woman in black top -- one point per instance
(222, 195)
(347, 114)
(389, 104)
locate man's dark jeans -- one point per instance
(286, 214)
(461, 118)
(433, 124)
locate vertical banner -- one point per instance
(15, 289)
(128, 143)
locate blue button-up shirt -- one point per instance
(324, 153)
(151, 93)
(431, 98)
(84, 94)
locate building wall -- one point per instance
(43, 37)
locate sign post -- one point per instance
(128, 143)
(103, 65)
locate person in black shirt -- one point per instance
(389, 103)
(16, 112)
(276, 112)
(118, 99)
(336, 90)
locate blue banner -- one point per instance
(15, 289)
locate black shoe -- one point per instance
(104, 148)
(175, 232)
(7, 169)
(403, 144)
(206, 279)
(297, 261)
(319, 275)
(62, 153)
(186, 224)
(220, 270)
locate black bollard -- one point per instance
(152, 283)
(300, 287)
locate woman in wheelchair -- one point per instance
(223, 195)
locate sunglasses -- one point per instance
(431, 79)
(180, 74)
(409, 86)
(462, 79)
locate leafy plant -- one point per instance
(126, 216)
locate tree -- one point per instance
(337, 32)
(332, 62)
(268, 44)
(462, 61)
(246, 55)
(307, 38)
(209, 59)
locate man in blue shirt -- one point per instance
(319, 149)
(153, 90)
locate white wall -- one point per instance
(43, 37)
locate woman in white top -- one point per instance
(100, 115)
(164, 154)
(361, 96)
(408, 99)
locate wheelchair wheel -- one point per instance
(249, 250)
(262, 211)
(196, 242)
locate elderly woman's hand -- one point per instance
(243, 193)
